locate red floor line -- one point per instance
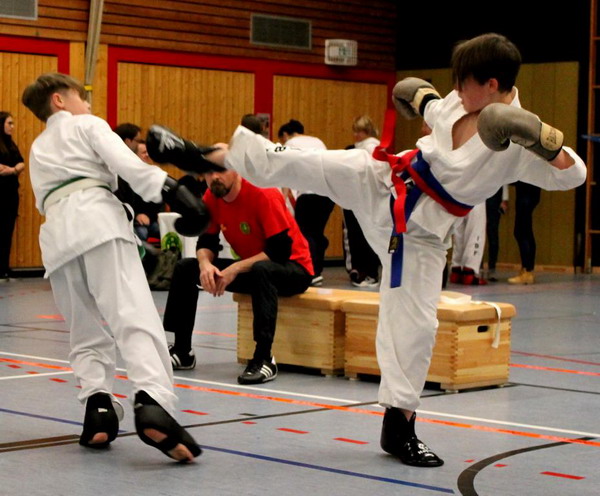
(293, 431)
(195, 412)
(225, 334)
(346, 440)
(34, 364)
(51, 317)
(511, 432)
(551, 357)
(553, 369)
(566, 476)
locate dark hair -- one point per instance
(36, 97)
(5, 139)
(6, 142)
(485, 57)
(291, 127)
(252, 122)
(127, 130)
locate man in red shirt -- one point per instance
(271, 258)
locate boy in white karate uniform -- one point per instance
(458, 165)
(91, 257)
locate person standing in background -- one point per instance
(11, 165)
(362, 263)
(312, 211)
(495, 206)
(527, 197)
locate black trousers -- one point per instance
(359, 254)
(312, 213)
(264, 282)
(526, 199)
(493, 214)
(9, 206)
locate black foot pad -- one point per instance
(150, 415)
(100, 416)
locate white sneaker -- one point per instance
(367, 282)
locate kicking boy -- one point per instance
(480, 140)
(90, 255)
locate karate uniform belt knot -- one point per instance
(411, 177)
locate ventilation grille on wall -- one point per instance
(280, 31)
(341, 52)
(22, 9)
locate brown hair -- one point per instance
(485, 57)
(365, 124)
(36, 96)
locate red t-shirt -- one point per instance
(255, 215)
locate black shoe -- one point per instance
(259, 371)
(398, 438)
(182, 361)
(100, 416)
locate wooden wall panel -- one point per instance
(223, 27)
(17, 71)
(550, 90)
(100, 90)
(57, 19)
(327, 109)
(203, 105)
(220, 27)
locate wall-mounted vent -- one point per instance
(21, 9)
(280, 32)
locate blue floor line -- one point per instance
(44, 417)
(331, 470)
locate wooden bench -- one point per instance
(310, 329)
(463, 356)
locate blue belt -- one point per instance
(413, 193)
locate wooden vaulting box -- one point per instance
(310, 329)
(463, 355)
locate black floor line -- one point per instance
(466, 480)
(209, 347)
(30, 327)
(555, 388)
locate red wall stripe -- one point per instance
(20, 44)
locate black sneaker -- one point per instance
(182, 361)
(259, 371)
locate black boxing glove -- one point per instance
(194, 214)
(164, 146)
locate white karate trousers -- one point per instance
(107, 285)
(469, 239)
(408, 320)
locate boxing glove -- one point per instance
(411, 95)
(194, 215)
(164, 146)
(499, 123)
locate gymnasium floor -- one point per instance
(305, 434)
